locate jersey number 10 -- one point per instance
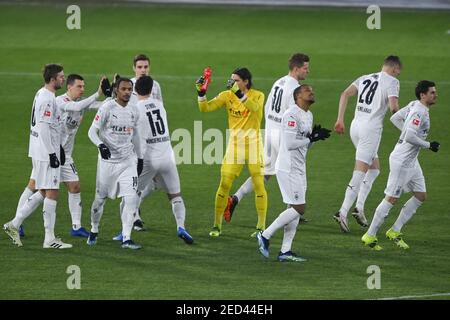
(276, 100)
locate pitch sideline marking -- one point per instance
(417, 296)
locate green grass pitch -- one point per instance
(181, 41)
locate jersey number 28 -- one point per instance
(369, 94)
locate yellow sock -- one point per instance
(260, 200)
(222, 198)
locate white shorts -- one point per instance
(116, 179)
(271, 150)
(292, 187)
(69, 172)
(403, 179)
(162, 173)
(45, 177)
(366, 141)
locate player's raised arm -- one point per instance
(203, 104)
(86, 103)
(351, 91)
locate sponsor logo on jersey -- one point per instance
(292, 124)
(121, 129)
(416, 122)
(97, 117)
(238, 113)
(47, 113)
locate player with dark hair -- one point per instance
(115, 132)
(244, 106)
(297, 135)
(405, 172)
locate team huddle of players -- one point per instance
(131, 132)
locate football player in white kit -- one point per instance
(297, 135)
(376, 93)
(405, 172)
(115, 132)
(47, 155)
(71, 110)
(141, 67)
(279, 99)
(159, 158)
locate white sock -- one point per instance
(179, 211)
(366, 186)
(23, 197)
(406, 213)
(245, 189)
(96, 213)
(283, 219)
(49, 214)
(381, 213)
(352, 192)
(289, 234)
(75, 209)
(129, 209)
(27, 208)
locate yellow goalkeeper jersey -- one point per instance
(244, 119)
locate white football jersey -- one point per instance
(156, 92)
(372, 101)
(279, 100)
(70, 122)
(155, 128)
(418, 120)
(116, 126)
(44, 111)
(296, 122)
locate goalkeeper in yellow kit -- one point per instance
(244, 107)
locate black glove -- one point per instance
(198, 85)
(62, 155)
(319, 133)
(232, 85)
(106, 87)
(140, 166)
(54, 162)
(104, 151)
(434, 146)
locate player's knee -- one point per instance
(32, 185)
(391, 200)
(52, 194)
(300, 208)
(172, 196)
(74, 187)
(421, 196)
